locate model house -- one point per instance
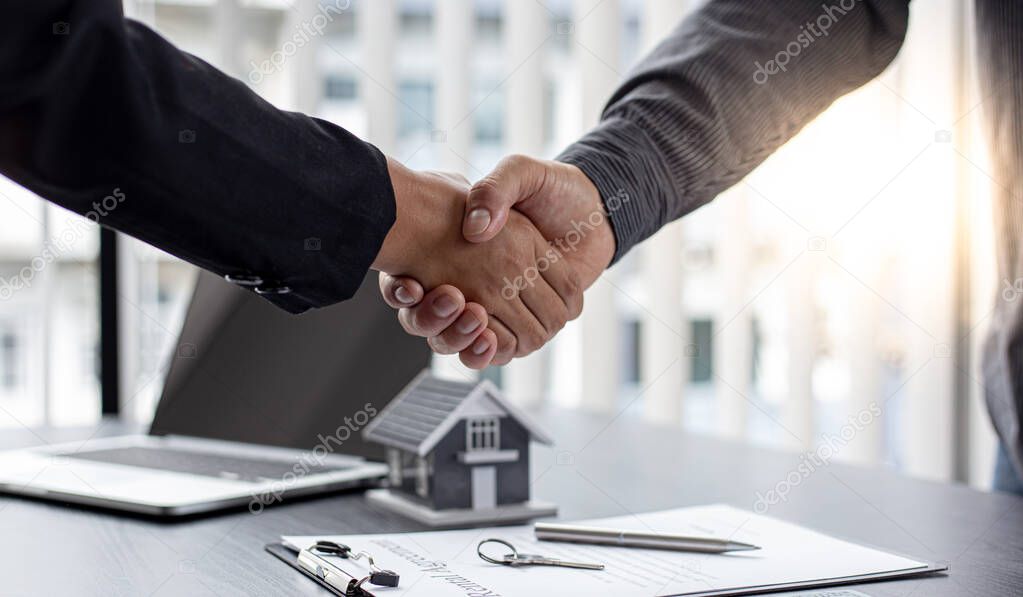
(457, 452)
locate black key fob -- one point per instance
(384, 578)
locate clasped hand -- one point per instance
(494, 270)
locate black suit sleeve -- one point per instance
(732, 83)
(91, 102)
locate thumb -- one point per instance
(400, 292)
(515, 179)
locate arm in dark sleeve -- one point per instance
(711, 102)
(204, 169)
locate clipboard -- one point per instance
(824, 566)
(290, 557)
(328, 574)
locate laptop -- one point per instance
(258, 406)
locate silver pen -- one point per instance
(546, 531)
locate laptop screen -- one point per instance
(244, 370)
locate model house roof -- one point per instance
(426, 410)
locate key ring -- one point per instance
(503, 562)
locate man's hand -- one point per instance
(426, 244)
(559, 200)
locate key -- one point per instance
(525, 559)
(515, 558)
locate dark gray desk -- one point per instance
(602, 467)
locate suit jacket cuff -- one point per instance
(633, 181)
(330, 265)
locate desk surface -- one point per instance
(601, 467)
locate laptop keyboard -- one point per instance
(205, 464)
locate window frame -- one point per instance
(483, 434)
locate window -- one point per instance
(416, 24)
(550, 106)
(8, 360)
(702, 333)
(488, 28)
(488, 120)
(632, 342)
(482, 434)
(48, 312)
(340, 87)
(416, 99)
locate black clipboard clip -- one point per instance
(320, 561)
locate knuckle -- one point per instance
(484, 189)
(405, 319)
(439, 345)
(554, 317)
(575, 307)
(513, 261)
(453, 340)
(573, 283)
(422, 321)
(517, 160)
(573, 293)
(531, 340)
(507, 346)
(470, 360)
(537, 338)
(384, 282)
(557, 324)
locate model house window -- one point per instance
(482, 434)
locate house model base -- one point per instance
(398, 503)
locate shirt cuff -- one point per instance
(633, 182)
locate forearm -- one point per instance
(706, 107)
(209, 171)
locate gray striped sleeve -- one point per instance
(731, 84)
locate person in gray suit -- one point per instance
(730, 85)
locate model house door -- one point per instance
(484, 487)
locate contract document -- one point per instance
(445, 563)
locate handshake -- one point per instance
(493, 270)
